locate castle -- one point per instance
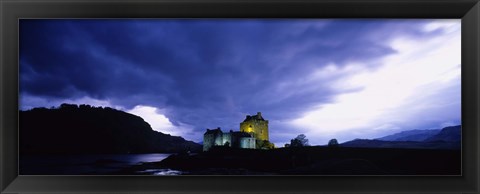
(253, 134)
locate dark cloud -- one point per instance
(204, 73)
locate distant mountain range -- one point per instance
(411, 135)
(446, 138)
(72, 129)
(448, 134)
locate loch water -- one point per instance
(89, 164)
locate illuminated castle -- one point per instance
(255, 125)
(253, 134)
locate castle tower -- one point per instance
(257, 125)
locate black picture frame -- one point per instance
(12, 10)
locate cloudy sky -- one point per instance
(326, 79)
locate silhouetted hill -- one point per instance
(411, 135)
(447, 138)
(72, 129)
(448, 134)
(368, 143)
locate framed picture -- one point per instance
(251, 96)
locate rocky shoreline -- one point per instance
(311, 161)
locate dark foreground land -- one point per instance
(314, 161)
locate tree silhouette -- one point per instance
(300, 141)
(333, 143)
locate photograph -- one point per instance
(240, 97)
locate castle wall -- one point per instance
(218, 139)
(227, 137)
(214, 138)
(247, 142)
(208, 141)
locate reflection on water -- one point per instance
(91, 164)
(161, 172)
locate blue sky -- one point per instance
(326, 79)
